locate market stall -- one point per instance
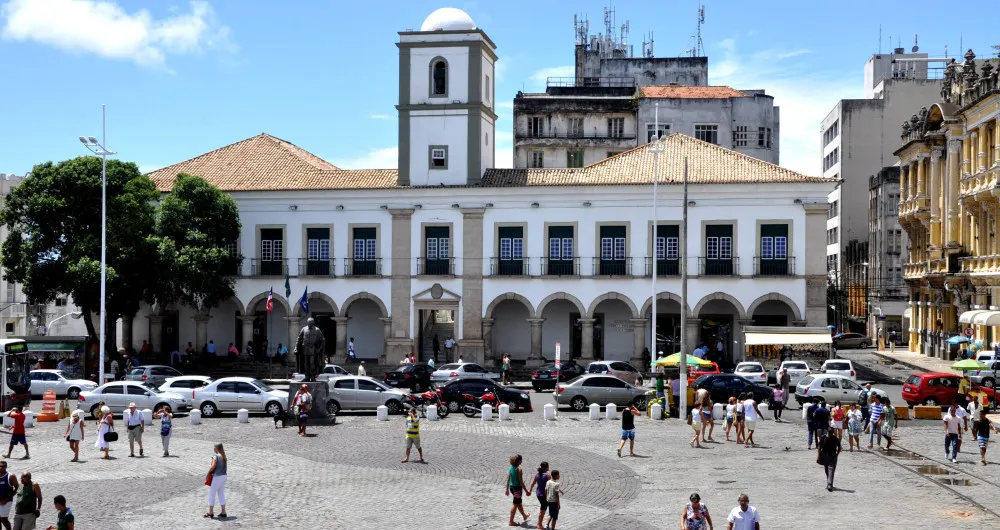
(767, 342)
(63, 353)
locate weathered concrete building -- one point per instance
(888, 245)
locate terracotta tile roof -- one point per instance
(691, 92)
(263, 162)
(707, 164)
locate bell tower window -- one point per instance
(439, 77)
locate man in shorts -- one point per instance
(134, 421)
(628, 429)
(413, 436)
(751, 415)
(17, 432)
(8, 486)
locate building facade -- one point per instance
(950, 163)
(888, 250)
(522, 261)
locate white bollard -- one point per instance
(243, 416)
(29, 418)
(611, 412)
(718, 411)
(764, 408)
(487, 413)
(195, 417)
(656, 411)
(504, 412)
(147, 417)
(432, 412)
(549, 412)
(595, 411)
(382, 413)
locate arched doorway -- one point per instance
(562, 313)
(225, 326)
(718, 314)
(322, 309)
(773, 313)
(364, 324)
(510, 331)
(267, 328)
(614, 338)
(668, 324)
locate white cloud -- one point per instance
(103, 28)
(381, 117)
(541, 75)
(385, 158)
(804, 95)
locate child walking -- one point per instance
(553, 490)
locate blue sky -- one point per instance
(182, 78)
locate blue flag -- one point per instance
(304, 301)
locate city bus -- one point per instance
(15, 390)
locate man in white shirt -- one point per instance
(961, 414)
(133, 420)
(750, 415)
(361, 369)
(975, 409)
(350, 350)
(952, 430)
(744, 516)
(449, 346)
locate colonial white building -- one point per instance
(505, 260)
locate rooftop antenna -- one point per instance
(915, 48)
(701, 20)
(945, 51)
(880, 39)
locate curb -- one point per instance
(907, 364)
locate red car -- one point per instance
(938, 388)
(697, 371)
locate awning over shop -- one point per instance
(966, 317)
(987, 318)
(813, 337)
(54, 346)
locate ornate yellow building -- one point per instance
(949, 196)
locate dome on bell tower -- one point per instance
(448, 19)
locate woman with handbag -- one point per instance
(74, 434)
(166, 427)
(216, 482)
(106, 431)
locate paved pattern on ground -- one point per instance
(349, 475)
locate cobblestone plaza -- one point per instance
(350, 476)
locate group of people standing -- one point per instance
(742, 413)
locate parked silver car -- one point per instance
(987, 378)
(352, 392)
(453, 371)
(118, 394)
(601, 389)
(153, 374)
(620, 369)
(234, 393)
(846, 341)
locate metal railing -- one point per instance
(275, 267)
(317, 267)
(361, 268)
(561, 267)
(664, 267)
(436, 267)
(773, 267)
(619, 82)
(612, 267)
(575, 135)
(719, 266)
(510, 267)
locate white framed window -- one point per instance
(432, 248)
(619, 248)
(659, 248)
(575, 128)
(536, 126)
(607, 248)
(616, 127)
(567, 248)
(725, 247)
(767, 248)
(266, 250)
(505, 248)
(672, 248)
(359, 249)
(536, 159)
(740, 136)
(712, 247)
(318, 249)
(443, 247)
(439, 158)
(653, 131)
(364, 250)
(707, 133)
(555, 248)
(780, 247)
(517, 248)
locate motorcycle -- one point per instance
(474, 405)
(423, 400)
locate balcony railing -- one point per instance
(436, 267)
(612, 267)
(510, 267)
(561, 267)
(575, 135)
(360, 268)
(773, 267)
(664, 267)
(315, 267)
(719, 266)
(916, 270)
(272, 267)
(617, 82)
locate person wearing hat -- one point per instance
(134, 421)
(302, 402)
(361, 369)
(695, 515)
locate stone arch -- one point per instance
(664, 295)
(741, 313)
(364, 295)
(559, 296)
(278, 299)
(508, 296)
(612, 296)
(778, 297)
(316, 295)
(240, 306)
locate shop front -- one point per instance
(766, 344)
(69, 354)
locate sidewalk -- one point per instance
(917, 361)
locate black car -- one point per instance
(545, 377)
(476, 387)
(416, 377)
(721, 387)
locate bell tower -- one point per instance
(447, 105)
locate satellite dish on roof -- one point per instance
(915, 49)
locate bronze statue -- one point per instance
(309, 349)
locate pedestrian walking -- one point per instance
(351, 355)
(874, 429)
(744, 516)
(8, 486)
(982, 427)
(74, 434)
(952, 428)
(302, 403)
(553, 493)
(538, 485)
(28, 505)
(436, 345)
(821, 418)
(961, 414)
(361, 369)
(810, 409)
(707, 417)
(515, 488)
(18, 435)
(166, 427)
(696, 425)
(216, 482)
(855, 422)
(134, 421)
(105, 427)
(975, 410)
(628, 429)
(413, 436)
(740, 420)
(449, 347)
(828, 450)
(115, 369)
(785, 380)
(888, 422)
(675, 390)
(64, 516)
(695, 515)
(660, 386)
(505, 369)
(777, 402)
(837, 415)
(99, 411)
(751, 414)
(864, 400)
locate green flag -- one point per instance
(288, 286)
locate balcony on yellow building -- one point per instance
(981, 265)
(913, 271)
(979, 185)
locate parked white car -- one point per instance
(58, 382)
(987, 378)
(118, 394)
(185, 383)
(332, 370)
(752, 371)
(234, 393)
(827, 387)
(842, 367)
(351, 392)
(453, 371)
(796, 371)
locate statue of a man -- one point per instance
(309, 349)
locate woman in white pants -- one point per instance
(217, 483)
(166, 427)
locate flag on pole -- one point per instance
(270, 300)
(288, 286)
(304, 301)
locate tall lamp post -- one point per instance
(99, 149)
(656, 147)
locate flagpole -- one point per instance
(270, 371)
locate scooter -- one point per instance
(426, 399)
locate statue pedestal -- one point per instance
(320, 393)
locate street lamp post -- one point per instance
(99, 149)
(656, 148)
